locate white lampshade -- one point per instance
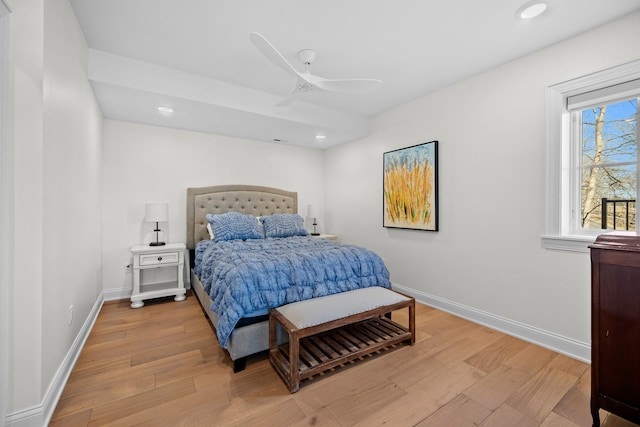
(156, 212)
(311, 211)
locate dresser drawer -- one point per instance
(159, 259)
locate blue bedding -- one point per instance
(244, 277)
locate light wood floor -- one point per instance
(160, 365)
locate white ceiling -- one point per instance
(196, 56)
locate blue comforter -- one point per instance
(245, 277)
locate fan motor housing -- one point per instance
(307, 56)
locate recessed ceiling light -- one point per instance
(320, 137)
(166, 110)
(531, 10)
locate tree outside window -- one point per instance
(609, 165)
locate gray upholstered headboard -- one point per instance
(247, 199)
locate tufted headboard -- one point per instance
(247, 199)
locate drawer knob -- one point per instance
(159, 258)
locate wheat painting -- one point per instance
(410, 187)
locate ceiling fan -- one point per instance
(305, 81)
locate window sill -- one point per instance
(568, 243)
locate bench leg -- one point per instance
(412, 322)
(294, 362)
(272, 333)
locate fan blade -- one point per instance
(286, 101)
(348, 85)
(272, 53)
(301, 86)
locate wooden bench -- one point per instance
(330, 331)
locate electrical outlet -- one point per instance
(70, 315)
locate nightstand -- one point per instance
(149, 265)
(327, 236)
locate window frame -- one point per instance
(561, 155)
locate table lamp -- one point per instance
(156, 212)
(311, 212)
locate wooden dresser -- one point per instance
(615, 325)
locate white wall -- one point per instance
(57, 153)
(487, 257)
(6, 202)
(72, 172)
(26, 317)
(154, 164)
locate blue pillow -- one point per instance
(234, 226)
(283, 225)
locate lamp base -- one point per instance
(157, 242)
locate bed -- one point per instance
(237, 280)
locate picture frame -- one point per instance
(410, 187)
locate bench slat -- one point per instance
(347, 344)
(309, 359)
(361, 353)
(313, 349)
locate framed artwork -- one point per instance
(410, 188)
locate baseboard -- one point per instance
(117, 294)
(29, 417)
(40, 415)
(567, 346)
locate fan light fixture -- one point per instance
(306, 82)
(531, 10)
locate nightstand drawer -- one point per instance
(159, 258)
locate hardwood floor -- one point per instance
(160, 365)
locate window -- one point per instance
(591, 157)
(605, 136)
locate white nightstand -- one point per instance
(327, 236)
(147, 258)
